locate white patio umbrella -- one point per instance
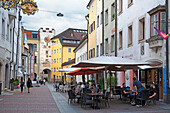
(110, 61)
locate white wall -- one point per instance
(131, 15)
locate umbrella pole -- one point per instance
(105, 79)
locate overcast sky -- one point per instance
(74, 15)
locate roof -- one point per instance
(157, 8)
(69, 62)
(67, 33)
(84, 38)
(71, 34)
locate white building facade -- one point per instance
(81, 55)
(138, 40)
(8, 46)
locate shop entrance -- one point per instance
(152, 75)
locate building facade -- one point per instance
(9, 46)
(92, 6)
(138, 40)
(63, 45)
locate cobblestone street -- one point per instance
(45, 99)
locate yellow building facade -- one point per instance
(91, 28)
(63, 45)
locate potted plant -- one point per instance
(16, 83)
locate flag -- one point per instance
(162, 34)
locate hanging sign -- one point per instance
(29, 7)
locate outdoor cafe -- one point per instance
(97, 97)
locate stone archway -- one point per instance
(47, 73)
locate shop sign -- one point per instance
(29, 7)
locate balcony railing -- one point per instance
(155, 41)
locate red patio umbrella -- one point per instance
(83, 71)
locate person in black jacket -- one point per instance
(22, 84)
(152, 92)
(29, 84)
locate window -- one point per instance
(120, 6)
(120, 40)
(11, 35)
(60, 60)
(3, 29)
(7, 38)
(112, 43)
(69, 50)
(97, 51)
(60, 50)
(57, 68)
(101, 49)
(142, 29)
(57, 60)
(154, 23)
(35, 36)
(163, 22)
(54, 69)
(51, 51)
(130, 2)
(106, 17)
(112, 11)
(98, 21)
(57, 42)
(51, 60)
(130, 35)
(46, 52)
(93, 53)
(55, 51)
(101, 18)
(35, 59)
(54, 60)
(69, 59)
(35, 47)
(106, 46)
(71, 34)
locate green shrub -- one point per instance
(101, 82)
(16, 83)
(113, 81)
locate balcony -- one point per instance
(155, 41)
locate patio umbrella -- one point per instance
(83, 71)
(110, 61)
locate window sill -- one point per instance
(106, 24)
(120, 13)
(129, 45)
(120, 48)
(112, 19)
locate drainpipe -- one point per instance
(19, 19)
(13, 50)
(167, 51)
(102, 28)
(116, 35)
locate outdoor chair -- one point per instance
(71, 96)
(105, 100)
(66, 88)
(86, 100)
(144, 97)
(117, 91)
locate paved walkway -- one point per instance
(39, 100)
(62, 102)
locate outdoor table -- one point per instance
(96, 95)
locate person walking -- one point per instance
(29, 84)
(22, 84)
(44, 81)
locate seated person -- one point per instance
(94, 89)
(152, 92)
(128, 94)
(99, 89)
(77, 90)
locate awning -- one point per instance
(68, 69)
(150, 67)
(110, 61)
(83, 71)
